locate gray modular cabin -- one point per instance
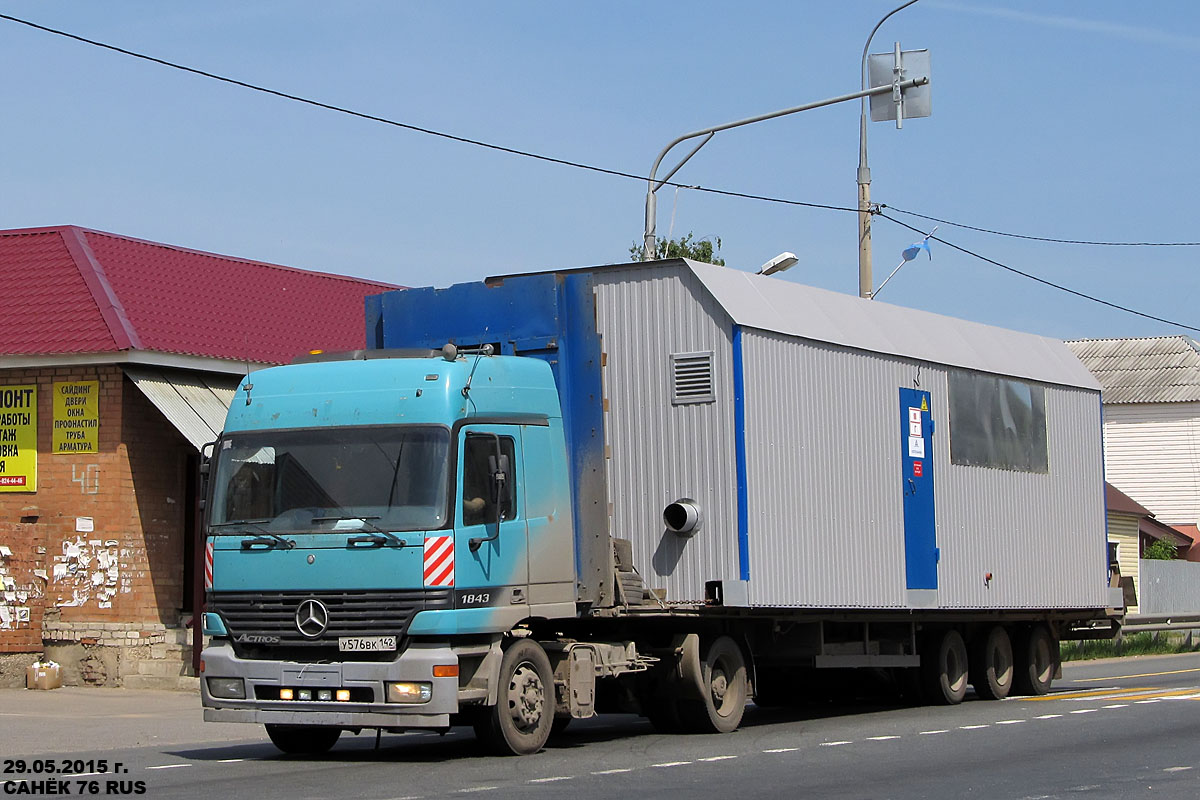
(830, 452)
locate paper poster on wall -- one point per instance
(76, 417)
(18, 438)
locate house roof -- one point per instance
(70, 290)
(1116, 500)
(1161, 369)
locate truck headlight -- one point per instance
(227, 688)
(409, 692)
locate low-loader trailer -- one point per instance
(667, 488)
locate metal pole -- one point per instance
(864, 173)
(653, 184)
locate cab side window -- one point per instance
(479, 501)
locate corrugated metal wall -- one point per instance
(1169, 587)
(1152, 454)
(1041, 536)
(823, 469)
(826, 510)
(823, 441)
(659, 452)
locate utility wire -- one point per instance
(416, 128)
(1038, 238)
(1042, 281)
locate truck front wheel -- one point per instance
(723, 684)
(519, 724)
(309, 740)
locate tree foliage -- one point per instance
(707, 249)
(1161, 550)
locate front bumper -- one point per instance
(263, 679)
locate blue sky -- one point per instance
(1060, 119)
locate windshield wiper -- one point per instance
(378, 536)
(265, 537)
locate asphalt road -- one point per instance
(1114, 729)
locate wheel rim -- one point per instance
(719, 689)
(526, 697)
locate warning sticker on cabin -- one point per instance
(18, 438)
(76, 417)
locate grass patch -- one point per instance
(1147, 643)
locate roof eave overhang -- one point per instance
(142, 357)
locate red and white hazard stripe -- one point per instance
(208, 555)
(439, 560)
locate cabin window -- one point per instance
(692, 378)
(479, 501)
(997, 422)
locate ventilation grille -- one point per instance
(692, 378)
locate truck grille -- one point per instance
(266, 621)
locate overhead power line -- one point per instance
(641, 178)
(1042, 281)
(1037, 238)
(411, 127)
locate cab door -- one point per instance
(491, 534)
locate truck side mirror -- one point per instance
(498, 477)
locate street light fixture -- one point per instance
(778, 264)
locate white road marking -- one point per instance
(672, 764)
(551, 780)
(932, 733)
(169, 766)
(1010, 722)
(782, 750)
(612, 771)
(1049, 716)
(881, 738)
(472, 789)
(1176, 769)
(714, 758)
(1147, 702)
(971, 727)
(1118, 705)
(1084, 710)
(230, 760)
(834, 744)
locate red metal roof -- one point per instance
(73, 290)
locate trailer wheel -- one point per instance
(944, 668)
(519, 724)
(723, 679)
(1037, 661)
(308, 740)
(992, 665)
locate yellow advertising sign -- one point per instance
(18, 438)
(76, 417)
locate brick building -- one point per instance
(118, 359)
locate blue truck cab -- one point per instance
(373, 520)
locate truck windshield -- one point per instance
(331, 480)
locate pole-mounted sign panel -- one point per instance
(891, 69)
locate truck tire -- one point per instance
(992, 665)
(1036, 662)
(723, 679)
(308, 740)
(944, 668)
(519, 724)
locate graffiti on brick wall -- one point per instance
(87, 570)
(15, 597)
(88, 479)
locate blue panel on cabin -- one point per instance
(547, 316)
(916, 450)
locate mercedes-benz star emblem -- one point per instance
(312, 618)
